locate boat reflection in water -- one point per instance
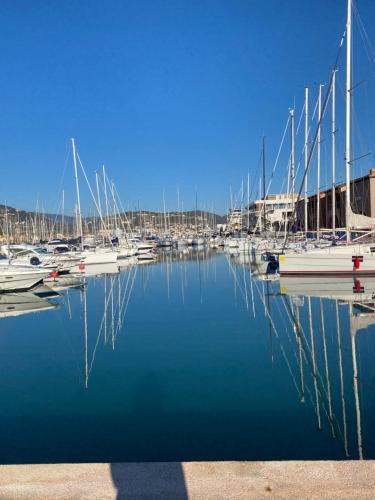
(18, 304)
(39, 298)
(357, 296)
(261, 266)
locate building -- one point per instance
(277, 209)
(362, 196)
(235, 219)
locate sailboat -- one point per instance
(356, 259)
(98, 255)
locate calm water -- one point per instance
(190, 358)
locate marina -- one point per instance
(187, 250)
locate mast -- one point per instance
(165, 215)
(62, 214)
(264, 183)
(292, 174)
(347, 117)
(106, 198)
(178, 212)
(306, 152)
(196, 208)
(97, 190)
(79, 215)
(248, 200)
(318, 154)
(334, 152)
(114, 206)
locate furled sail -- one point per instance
(359, 221)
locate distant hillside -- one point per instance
(142, 219)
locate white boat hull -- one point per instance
(17, 279)
(99, 257)
(327, 263)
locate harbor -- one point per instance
(187, 252)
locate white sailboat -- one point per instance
(350, 259)
(98, 255)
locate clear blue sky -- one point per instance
(166, 93)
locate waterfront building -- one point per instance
(362, 198)
(274, 209)
(235, 219)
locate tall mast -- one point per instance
(105, 198)
(248, 200)
(62, 214)
(347, 124)
(114, 204)
(334, 153)
(79, 215)
(165, 215)
(292, 174)
(306, 152)
(318, 154)
(264, 183)
(97, 191)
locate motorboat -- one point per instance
(13, 278)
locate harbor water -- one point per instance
(197, 356)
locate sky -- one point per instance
(170, 95)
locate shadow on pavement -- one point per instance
(149, 481)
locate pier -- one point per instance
(190, 480)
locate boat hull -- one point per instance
(327, 264)
(17, 281)
(99, 257)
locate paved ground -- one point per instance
(191, 480)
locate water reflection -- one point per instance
(203, 339)
(18, 304)
(304, 303)
(357, 296)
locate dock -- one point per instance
(190, 480)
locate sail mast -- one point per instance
(264, 183)
(334, 152)
(79, 215)
(306, 152)
(318, 154)
(292, 174)
(347, 118)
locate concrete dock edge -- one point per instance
(190, 480)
